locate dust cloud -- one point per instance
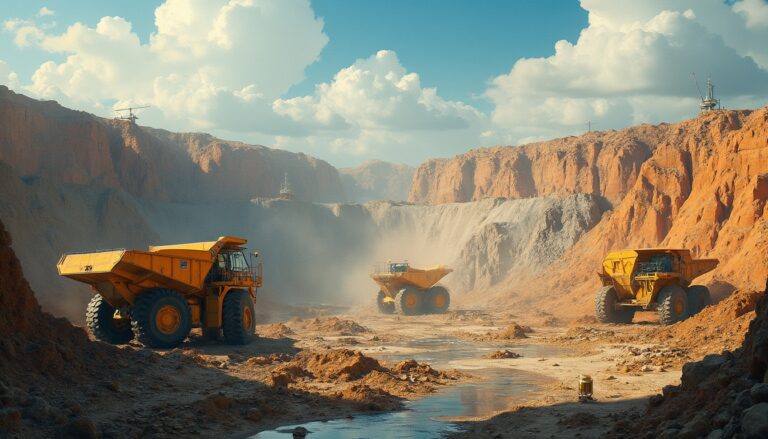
(312, 253)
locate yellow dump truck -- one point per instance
(157, 295)
(411, 291)
(651, 279)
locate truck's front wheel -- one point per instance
(698, 298)
(384, 307)
(161, 318)
(409, 301)
(101, 321)
(238, 319)
(606, 310)
(673, 304)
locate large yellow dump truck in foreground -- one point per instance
(158, 295)
(411, 291)
(651, 279)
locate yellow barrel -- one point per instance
(585, 387)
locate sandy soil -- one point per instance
(317, 368)
(628, 363)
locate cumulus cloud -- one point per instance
(227, 65)
(45, 12)
(378, 93)
(209, 64)
(633, 64)
(376, 105)
(7, 76)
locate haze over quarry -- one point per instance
(399, 81)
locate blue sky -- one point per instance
(397, 80)
(455, 45)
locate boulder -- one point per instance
(696, 373)
(759, 393)
(754, 421)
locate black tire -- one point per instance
(698, 298)
(672, 304)
(99, 316)
(409, 301)
(145, 323)
(384, 307)
(438, 300)
(606, 310)
(238, 318)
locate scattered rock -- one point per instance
(696, 373)
(715, 434)
(503, 354)
(513, 330)
(300, 432)
(37, 409)
(754, 421)
(759, 393)
(10, 419)
(253, 415)
(215, 406)
(80, 428)
(113, 385)
(258, 361)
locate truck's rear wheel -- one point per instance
(698, 298)
(409, 301)
(606, 310)
(161, 318)
(673, 304)
(438, 300)
(384, 307)
(238, 317)
(101, 321)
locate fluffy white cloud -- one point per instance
(45, 12)
(633, 64)
(210, 63)
(378, 93)
(376, 106)
(226, 66)
(7, 76)
(755, 11)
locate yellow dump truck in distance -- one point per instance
(408, 290)
(651, 279)
(157, 295)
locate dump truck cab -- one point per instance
(651, 279)
(157, 295)
(410, 290)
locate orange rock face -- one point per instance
(700, 184)
(39, 138)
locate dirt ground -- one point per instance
(316, 368)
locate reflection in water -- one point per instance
(424, 418)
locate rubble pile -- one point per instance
(722, 396)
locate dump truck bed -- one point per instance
(119, 275)
(422, 279)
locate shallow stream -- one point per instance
(497, 389)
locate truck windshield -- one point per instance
(237, 262)
(398, 268)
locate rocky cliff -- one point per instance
(41, 138)
(703, 185)
(377, 180)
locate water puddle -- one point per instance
(498, 389)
